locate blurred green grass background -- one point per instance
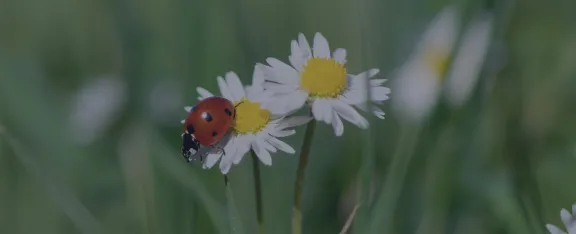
(504, 163)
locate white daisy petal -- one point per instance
(230, 150)
(282, 133)
(265, 99)
(261, 152)
(281, 145)
(243, 146)
(377, 82)
(327, 109)
(225, 165)
(295, 50)
(297, 57)
(317, 111)
(187, 108)
(370, 73)
(258, 79)
(235, 86)
(378, 112)
(379, 93)
(304, 47)
(182, 121)
(322, 111)
(269, 147)
(349, 114)
(566, 218)
(321, 48)
(279, 88)
(287, 103)
(284, 73)
(269, 74)
(240, 155)
(554, 230)
(355, 94)
(293, 121)
(211, 160)
(224, 90)
(340, 55)
(203, 93)
(337, 124)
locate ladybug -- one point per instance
(206, 124)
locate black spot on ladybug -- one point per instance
(206, 116)
(214, 134)
(193, 108)
(228, 112)
(190, 129)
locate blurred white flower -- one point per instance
(569, 221)
(256, 127)
(321, 78)
(468, 61)
(95, 106)
(419, 81)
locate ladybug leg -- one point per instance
(220, 150)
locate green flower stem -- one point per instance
(304, 152)
(258, 192)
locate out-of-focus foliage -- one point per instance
(502, 163)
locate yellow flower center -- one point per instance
(250, 118)
(438, 62)
(322, 77)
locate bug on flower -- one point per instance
(206, 124)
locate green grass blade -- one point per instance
(385, 205)
(189, 180)
(234, 220)
(61, 194)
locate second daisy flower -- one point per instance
(320, 77)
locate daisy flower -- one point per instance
(319, 77)
(256, 126)
(569, 221)
(419, 81)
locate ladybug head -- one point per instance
(189, 146)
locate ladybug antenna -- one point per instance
(238, 104)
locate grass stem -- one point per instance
(258, 192)
(303, 161)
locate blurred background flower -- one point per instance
(95, 106)
(434, 66)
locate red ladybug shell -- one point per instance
(210, 119)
